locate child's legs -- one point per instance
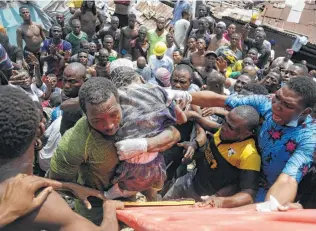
(141, 177)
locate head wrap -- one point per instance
(163, 75)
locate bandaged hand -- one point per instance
(130, 148)
(181, 96)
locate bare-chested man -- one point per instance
(102, 67)
(32, 34)
(88, 16)
(128, 33)
(112, 30)
(198, 58)
(194, 23)
(139, 46)
(209, 66)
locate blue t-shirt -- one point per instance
(283, 149)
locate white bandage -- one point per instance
(268, 206)
(129, 148)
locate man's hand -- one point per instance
(52, 49)
(221, 64)
(19, 197)
(129, 148)
(109, 214)
(208, 111)
(210, 201)
(18, 78)
(189, 150)
(32, 58)
(290, 206)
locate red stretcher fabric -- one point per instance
(186, 218)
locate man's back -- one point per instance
(180, 29)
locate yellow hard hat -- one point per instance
(160, 48)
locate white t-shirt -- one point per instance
(169, 51)
(53, 135)
(34, 92)
(180, 30)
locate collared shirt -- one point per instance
(155, 63)
(225, 163)
(284, 149)
(153, 38)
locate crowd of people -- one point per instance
(105, 108)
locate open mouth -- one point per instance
(276, 118)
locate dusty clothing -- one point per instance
(152, 115)
(87, 157)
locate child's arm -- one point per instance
(180, 115)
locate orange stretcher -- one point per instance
(187, 218)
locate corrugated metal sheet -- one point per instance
(150, 12)
(292, 22)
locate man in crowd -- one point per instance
(73, 78)
(230, 156)
(198, 58)
(180, 6)
(88, 15)
(15, 53)
(128, 33)
(17, 155)
(159, 59)
(258, 43)
(157, 35)
(201, 32)
(55, 52)
(76, 36)
(241, 81)
(284, 62)
(217, 39)
(284, 138)
(272, 81)
(32, 34)
(60, 19)
(194, 23)
(139, 46)
(89, 146)
(112, 30)
(295, 70)
(108, 45)
(181, 27)
(102, 67)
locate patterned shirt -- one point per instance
(284, 149)
(53, 66)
